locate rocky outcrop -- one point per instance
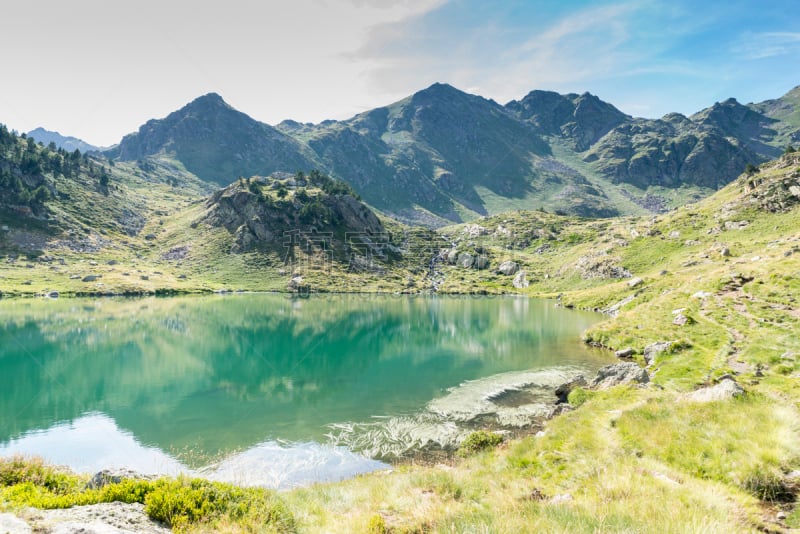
(777, 191)
(105, 518)
(257, 220)
(620, 373)
(600, 266)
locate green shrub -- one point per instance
(578, 396)
(478, 441)
(179, 502)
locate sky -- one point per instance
(98, 69)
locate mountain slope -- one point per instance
(786, 112)
(448, 153)
(215, 142)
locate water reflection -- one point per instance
(211, 375)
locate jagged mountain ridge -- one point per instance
(442, 155)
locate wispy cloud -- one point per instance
(754, 46)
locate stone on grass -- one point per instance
(619, 373)
(724, 390)
(635, 282)
(624, 353)
(654, 349)
(508, 268)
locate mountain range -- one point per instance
(442, 156)
(68, 143)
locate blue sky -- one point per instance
(98, 69)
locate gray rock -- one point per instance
(521, 280)
(681, 320)
(508, 268)
(452, 256)
(475, 230)
(90, 278)
(725, 252)
(481, 262)
(619, 373)
(736, 225)
(624, 353)
(150, 237)
(115, 476)
(465, 259)
(635, 282)
(724, 390)
(654, 349)
(103, 518)
(11, 524)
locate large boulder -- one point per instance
(508, 268)
(727, 388)
(466, 260)
(619, 373)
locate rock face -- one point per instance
(619, 373)
(726, 389)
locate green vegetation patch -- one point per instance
(183, 503)
(750, 442)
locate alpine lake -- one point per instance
(273, 389)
